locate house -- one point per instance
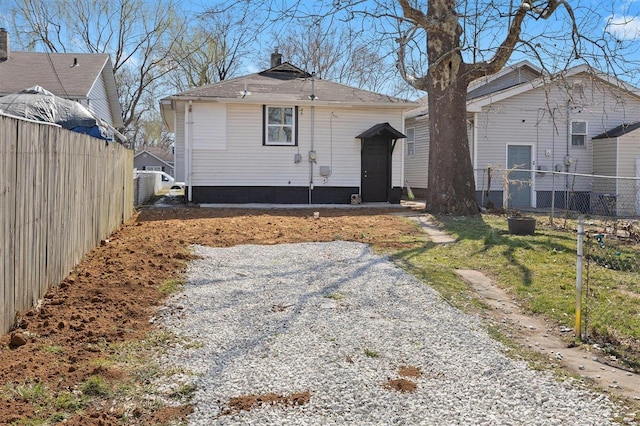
(86, 78)
(526, 119)
(154, 159)
(283, 136)
(616, 152)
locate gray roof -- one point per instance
(160, 153)
(618, 131)
(287, 83)
(56, 73)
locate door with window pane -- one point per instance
(520, 182)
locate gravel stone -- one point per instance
(339, 321)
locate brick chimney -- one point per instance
(276, 58)
(4, 44)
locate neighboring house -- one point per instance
(283, 136)
(523, 117)
(154, 159)
(83, 77)
(616, 152)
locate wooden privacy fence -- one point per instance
(61, 193)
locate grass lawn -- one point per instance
(540, 271)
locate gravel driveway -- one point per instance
(334, 334)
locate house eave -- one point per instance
(288, 101)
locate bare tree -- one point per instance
(210, 51)
(494, 33)
(336, 53)
(137, 34)
(444, 45)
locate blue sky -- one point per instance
(598, 19)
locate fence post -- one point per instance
(553, 197)
(579, 276)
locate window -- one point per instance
(280, 126)
(153, 168)
(411, 146)
(578, 133)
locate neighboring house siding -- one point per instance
(246, 162)
(605, 163)
(416, 166)
(629, 150)
(98, 101)
(605, 153)
(527, 119)
(143, 161)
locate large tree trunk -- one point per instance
(451, 184)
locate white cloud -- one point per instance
(624, 27)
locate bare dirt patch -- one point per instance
(410, 371)
(401, 385)
(249, 402)
(107, 300)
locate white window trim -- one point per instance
(411, 142)
(586, 131)
(293, 125)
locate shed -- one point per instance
(616, 153)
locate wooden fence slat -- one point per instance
(60, 194)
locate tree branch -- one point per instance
(502, 55)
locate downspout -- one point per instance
(475, 146)
(566, 158)
(402, 153)
(312, 153)
(174, 107)
(188, 140)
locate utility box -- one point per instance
(325, 171)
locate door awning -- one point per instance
(381, 129)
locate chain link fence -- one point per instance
(559, 193)
(610, 287)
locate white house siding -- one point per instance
(210, 133)
(99, 101)
(541, 117)
(416, 166)
(246, 162)
(178, 118)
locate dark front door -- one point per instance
(376, 168)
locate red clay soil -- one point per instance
(58, 364)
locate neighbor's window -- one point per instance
(411, 146)
(578, 133)
(280, 126)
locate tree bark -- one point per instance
(451, 182)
